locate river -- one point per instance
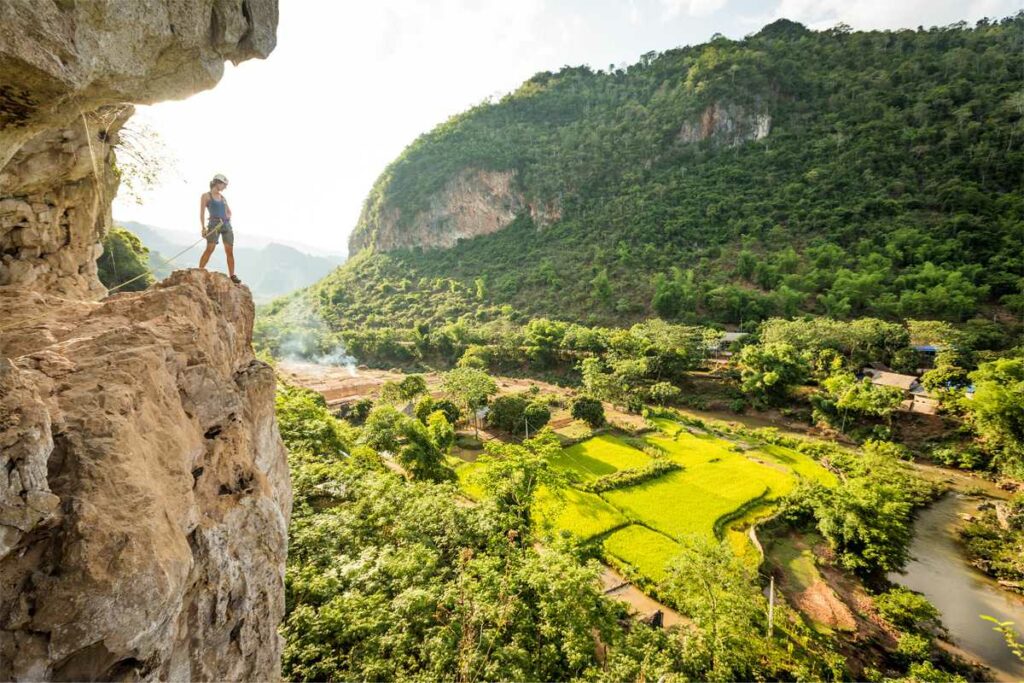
(958, 590)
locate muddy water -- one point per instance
(960, 591)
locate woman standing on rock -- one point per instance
(219, 224)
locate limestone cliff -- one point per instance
(728, 124)
(472, 203)
(144, 492)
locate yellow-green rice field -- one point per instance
(723, 485)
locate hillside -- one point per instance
(835, 172)
(270, 269)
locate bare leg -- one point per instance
(229, 253)
(210, 246)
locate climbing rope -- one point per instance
(169, 262)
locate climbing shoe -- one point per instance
(234, 278)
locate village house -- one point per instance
(719, 348)
(916, 399)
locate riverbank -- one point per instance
(940, 571)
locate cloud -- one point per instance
(693, 8)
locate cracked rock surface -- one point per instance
(144, 491)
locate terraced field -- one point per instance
(646, 552)
(723, 483)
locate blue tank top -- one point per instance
(218, 209)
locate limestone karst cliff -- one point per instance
(473, 203)
(144, 491)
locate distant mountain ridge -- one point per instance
(269, 270)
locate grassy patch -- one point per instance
(647, 552)
(577, 429)
(798, 563)
(800, 463)
(687, 502)
(584, 515)
(599, 456)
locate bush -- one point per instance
(588, 409)
(631, 476)
(914, 647)
(663, 392)
(124, 260)
(536, 416)
(907, 610)
(360, 410)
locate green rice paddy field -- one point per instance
(639, 527)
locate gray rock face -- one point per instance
(144, 490)
(472, 203)
(728, 124)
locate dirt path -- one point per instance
(617, 587)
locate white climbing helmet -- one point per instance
(220, 177)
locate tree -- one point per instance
(412, 386)
(602, 287)
(419, 448)
(588, 409)
(515, 473)
(423, 448)
(861, 396)
(663, 392)
(867, 518)
(441, 431)
(516, 414)
(719, 592)
(506, 413)
(996, 410)
(360, 410)
(124, 260)
(597, 382)
(535, 417)
(470, 388)
(306, 424)
(382, 430)
(769, 370)
(475, 356)
(391, 393)
(543, 339)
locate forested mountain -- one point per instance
(835, 172)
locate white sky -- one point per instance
(303, 135)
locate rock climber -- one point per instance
(219, 224)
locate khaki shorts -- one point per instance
(213, 235)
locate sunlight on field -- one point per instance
(601, 455)
(647, 552)
(689, 502)
(584, 515)
(804, 465)
(722, 489)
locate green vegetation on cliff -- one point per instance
(837, 172)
